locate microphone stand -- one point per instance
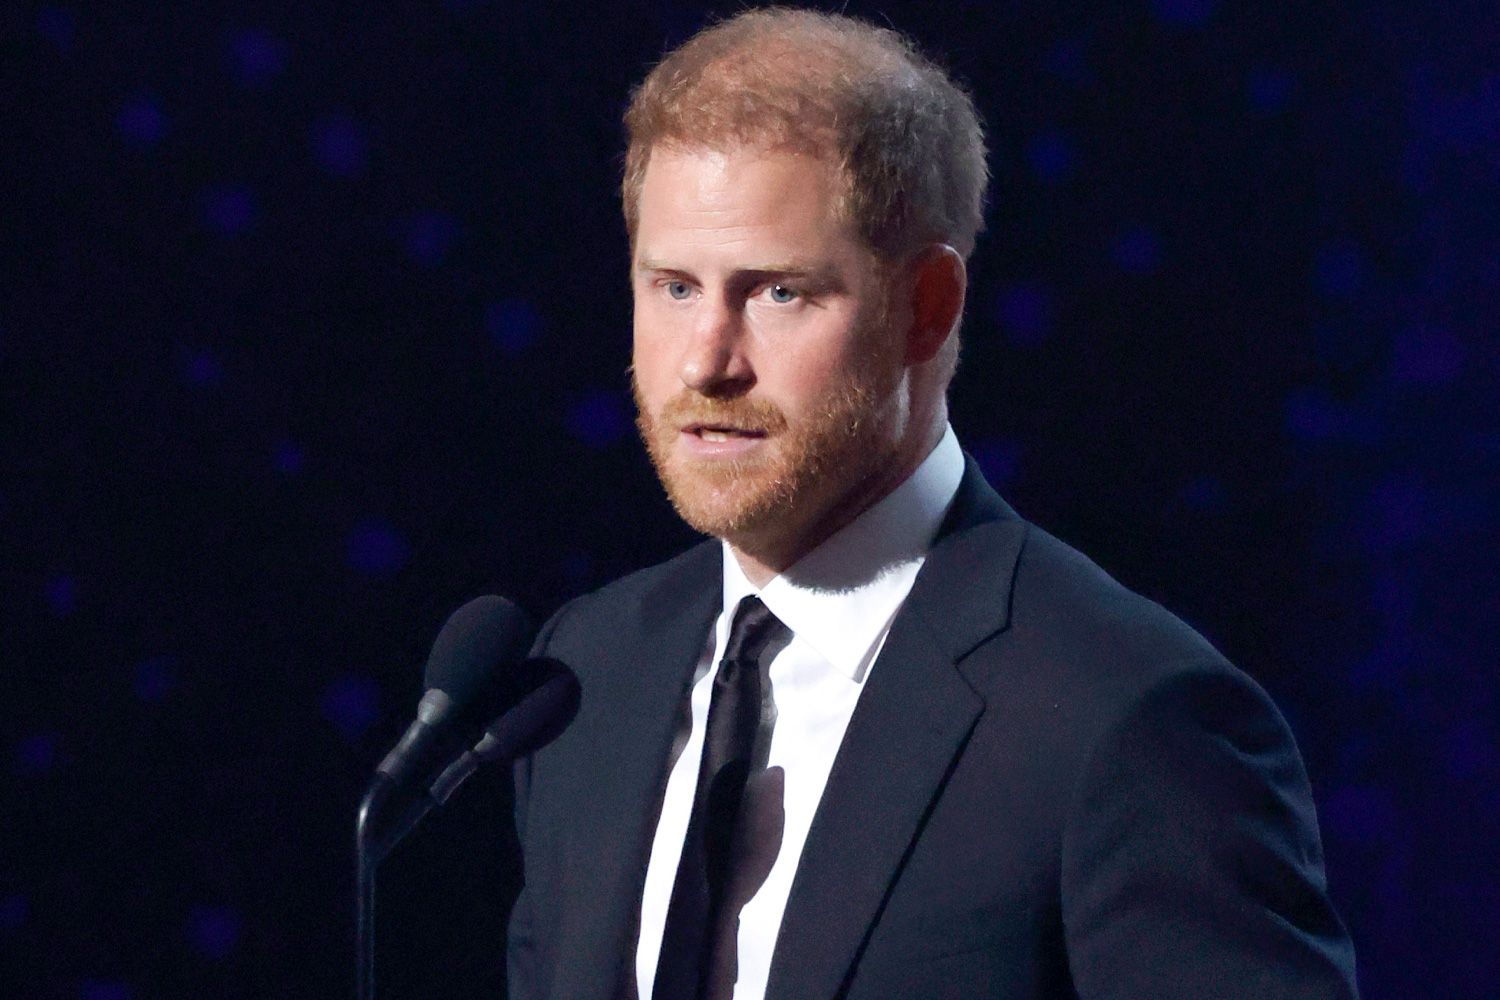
(366, 860)
(385, 814)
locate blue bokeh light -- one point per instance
(289, 458)
(200, 367)
(141, 121)
(214, 931)
(15, 910)
(1137, 250)
(61, 592)
(105, 991)
(56, 25)
(1024, 314)
(1311, 416)
(599, 419)
(1205, 494)
(429, 237)
(229, 209)
(37, 754)
(375, 548)
(155, 677)
(1339, 269)
(512, 325)
(256, 57)
(1051, 155)
(352, 704)
(1068, 61)
(1426, 356)
(1186, 12)
(1362, 814)
(339, 147)
(1269, 89)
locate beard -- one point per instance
(801, 472)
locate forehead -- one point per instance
(720, 197)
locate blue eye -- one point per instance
(782, 294)
(678, 290)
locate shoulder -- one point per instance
(605, 614)
(1102, 636)
(1083, 661)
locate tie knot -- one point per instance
(754, 628)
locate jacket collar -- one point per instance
(911, 723)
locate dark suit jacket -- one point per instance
(1050, 788)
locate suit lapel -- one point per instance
(635, 706)
(910, 725)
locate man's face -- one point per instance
(771, 396)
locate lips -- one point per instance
(719, 433)
(716, 441)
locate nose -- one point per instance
(714, 361)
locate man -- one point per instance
(882, 738)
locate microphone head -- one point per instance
(475, 646)
(543, 712)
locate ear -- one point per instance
(939, 281)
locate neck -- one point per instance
(763, 559)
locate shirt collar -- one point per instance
(841, 596)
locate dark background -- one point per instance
(314, 324)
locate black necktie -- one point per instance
(728, 742)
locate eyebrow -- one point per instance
(787, 269)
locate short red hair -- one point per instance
(903, 134)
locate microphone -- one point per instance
(470, 679)
(537, 719)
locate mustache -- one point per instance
(689, 407)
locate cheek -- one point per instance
(651, 357)
(815, 367)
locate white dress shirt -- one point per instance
(838, 601)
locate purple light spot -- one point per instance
(14, 911)
(1000, 460)
(1138, 251)
(1188, 12)
(1051, 155)
(36, 754)
(105, 991)
(214, 931)
(599, 419)
(230, 210)
(1399, 512)
(352, 704)
(56, 25)
(141, 121)
(1270, 89)
(1068, 61)
(1361, 815)
(339, 147)
(200, 367)
(154, 679)
(1469, 751)
(62, 594)
(288, 458)
(429, 237)
(1024, 314)
(257, 57)
(1339, 269)
(1204, 494)
(512, 325)
(376, 549)
(1426, 356)
(1311, 416)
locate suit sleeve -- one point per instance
(1191, 863)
